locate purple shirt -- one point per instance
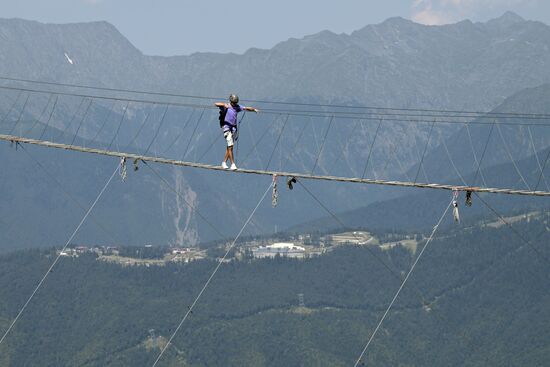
(231, 115)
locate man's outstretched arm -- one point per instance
(251, 109)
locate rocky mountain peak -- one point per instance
(506, 19)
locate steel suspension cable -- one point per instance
(543, 168)
(238, 129)
(402, 285)
(142, 125)
(193, 134)
(157, 131)
(212, 143)
(20, 115)
(37, 120)
(58, 256)
(119, 125)
(82, 121)
(412, 119)
(111, 109)
(537, 158)
(516, 232)
(190, 308)
(424, 153)
(483, 154)
(391, 154)
(314, 134)
(352, 133)
(11, 107)
(371, 148)
(277, 142)
(180, 133)
(346, 228)
(253, 139)
(134, 91)
(511, 158)
(322, 144)
(70, 121)
(261, 138)
(66, 192)
(475, 157)
(320, 114)
(295, 145)
(396, 158)
(49, 118)
(417, 152)
(373, 254)
(425, 116)
(452, 162)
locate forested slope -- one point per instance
(479, 297)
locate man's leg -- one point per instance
(226, 157)
(229, 141)
(230, 153)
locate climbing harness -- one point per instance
(290, 182)
(468, 198)
(274, 195)
(456, 215)
(122, 169)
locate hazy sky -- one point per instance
(172, 27)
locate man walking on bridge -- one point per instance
(228, 122)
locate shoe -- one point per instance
(224, 165)
(233, 167)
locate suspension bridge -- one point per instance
(19, 130)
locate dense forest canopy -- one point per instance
(478, 298)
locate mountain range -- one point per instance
(500, 65)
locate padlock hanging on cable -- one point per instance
(456, 215)
(274, 195)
